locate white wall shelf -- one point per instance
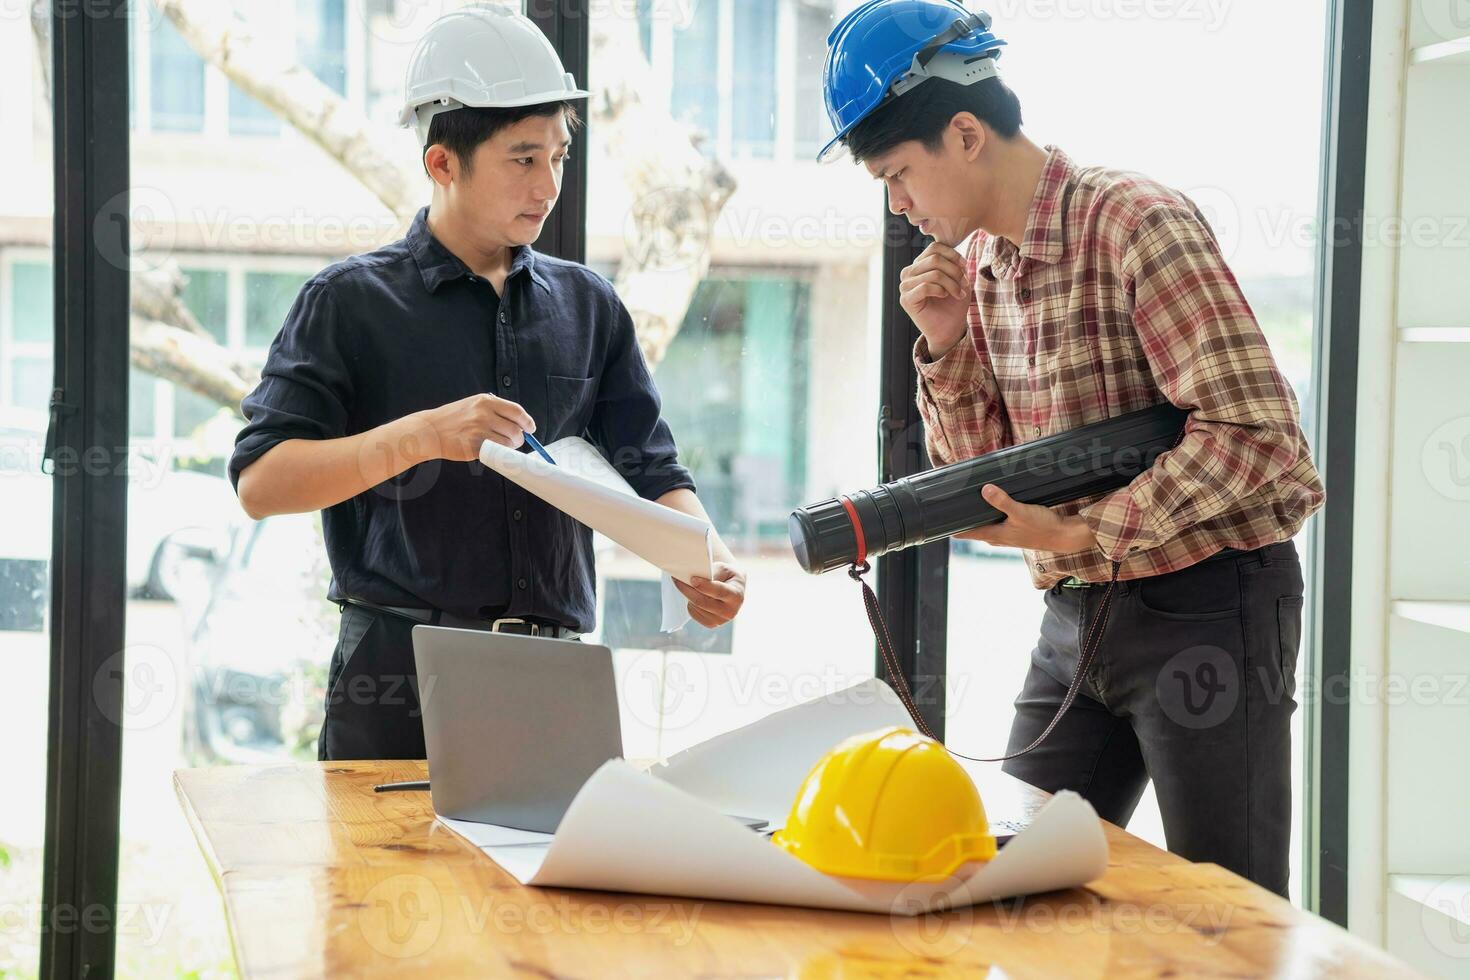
(1435, 335)
(1448, 894)
(1455, 52)
(1447, 615)
(1429, 496)
(1429, 922)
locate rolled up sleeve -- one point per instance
(306, 385)
(626, 422)
(1206, 354)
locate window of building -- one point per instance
(268, 298)
(321, 41)
(25, 341)
(182, 94)
(696, 99)
(206, 293)
(744, 426)
(177, 80)
(754, 82)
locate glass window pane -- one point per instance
(749, 475)
(769, 386)
(249, 118)
(1262, 210)
(645, 27)
(206, 293)
(321, 41)
(696, 97)
(241, 687)
(754, 84)
(813, 23)
(30, 383)
(32, 292)
(176, 79)
(191, 410)
(141, 421)
(27, 332)
(268, 298)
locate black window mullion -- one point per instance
(1340, 264)
(913, 585)
(90, 427)
(565, 22)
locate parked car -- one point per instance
(178, 521)
(258, 646)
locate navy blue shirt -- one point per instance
(409, 327)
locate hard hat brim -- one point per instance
(409, 113)
(833, 151)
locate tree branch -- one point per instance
(188, 360)
(678, 191)
(296, 95)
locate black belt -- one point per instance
(438, 617)
(1075, 583)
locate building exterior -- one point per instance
(249, 208)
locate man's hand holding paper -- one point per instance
(672, 535)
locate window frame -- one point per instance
(1327, 633)
(90, 180)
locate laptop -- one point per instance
(513, 725)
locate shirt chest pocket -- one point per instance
(569, 403)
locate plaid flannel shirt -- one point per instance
(1117, 299)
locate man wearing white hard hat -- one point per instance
(394, 366)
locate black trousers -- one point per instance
(1193, 688)
(372, 701)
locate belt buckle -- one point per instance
(535, 628)
(1073, 582)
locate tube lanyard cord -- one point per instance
(900, 684)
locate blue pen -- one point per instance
(531, 441)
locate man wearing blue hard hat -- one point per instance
(1055, 295)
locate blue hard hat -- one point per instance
(885, 47)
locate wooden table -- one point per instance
(323, 877)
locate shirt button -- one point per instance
(505, 381)
(1025, 293)
(516, 515)
(1031, 361)
(521, 583)
(1040, 567)
(1038, 430)
(502, 316)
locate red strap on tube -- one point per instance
(857, 530)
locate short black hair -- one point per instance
(924, 111)
(462, 130)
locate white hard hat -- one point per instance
(481, 56)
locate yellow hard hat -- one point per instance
(889, 805)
